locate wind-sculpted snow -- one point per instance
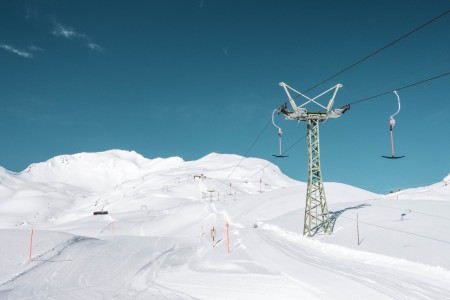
(347, 272)
(438, 191)
(96, 171)
(86, 268)
(154, 239)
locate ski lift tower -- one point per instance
(316, 208)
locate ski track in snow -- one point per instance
(48, 280)
(381, 278)
(46, 257)
(155, 241)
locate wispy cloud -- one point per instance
(16, 51)
(95, 46)
(66, 32)
(35, 49)
(70, 33)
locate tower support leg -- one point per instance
(316, 208)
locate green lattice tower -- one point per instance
(316, 208)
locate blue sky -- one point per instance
(187, 78)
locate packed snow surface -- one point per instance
(151, 235)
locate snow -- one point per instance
(155, 242)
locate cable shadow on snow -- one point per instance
(334, 215)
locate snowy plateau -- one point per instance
(151, 238)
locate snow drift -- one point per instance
(154, 242)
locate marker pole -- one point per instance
(357, 227)
(31, 243)
(228, 239)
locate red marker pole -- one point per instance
(31, 242)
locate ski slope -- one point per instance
(155, 241)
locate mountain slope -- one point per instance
(155, 241)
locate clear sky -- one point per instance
(187, 78)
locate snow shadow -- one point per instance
(50, 260)
(334, 215)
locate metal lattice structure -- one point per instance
(316, 209)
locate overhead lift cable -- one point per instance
(379, 50)
(400, 88)
(348, 68)
(274, 159)
(351, 103)
(250, 148)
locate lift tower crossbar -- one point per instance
(316, 209)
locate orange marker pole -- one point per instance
(31, 242)
(228, 239)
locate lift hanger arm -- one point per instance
(273, 122)
(398, 101)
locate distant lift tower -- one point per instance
(316, 208)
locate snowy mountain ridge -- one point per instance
(103, 170)
(153, 240)
(96, 171)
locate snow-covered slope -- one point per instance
(96, 171)
(155, 241)
(438, 191)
